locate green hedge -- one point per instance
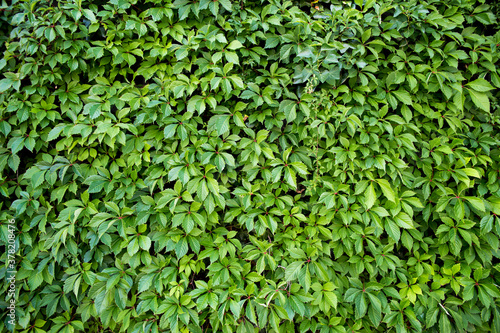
(250, 166)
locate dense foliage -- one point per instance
(251, 166)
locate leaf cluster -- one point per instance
(249, 166)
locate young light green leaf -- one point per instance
(386, 189)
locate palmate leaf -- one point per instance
(217, 165)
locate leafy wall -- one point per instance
(251, 166)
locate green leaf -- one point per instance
(226, 4)
(16, 144)
(361, 306)
(219, 123)
(170, 131)
(444, 323)
(299, 167)
(480, 99)
(292, 270)
(386, 189)
(370, 196)
(392, 230)
(331, 299)
(89, 14)
(202, 190)
(290, 177)
(38, 178)
(92, 109)
(272, 42)
(472, 172)
(297, 253)
(477, 203)
(5, 84)
(404, 221)
(232, 57)
(403, 96)
(234, 45)
(133, 246)
(289, 107)
(144, 243)
(480, 85)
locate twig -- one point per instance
(444, 309)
